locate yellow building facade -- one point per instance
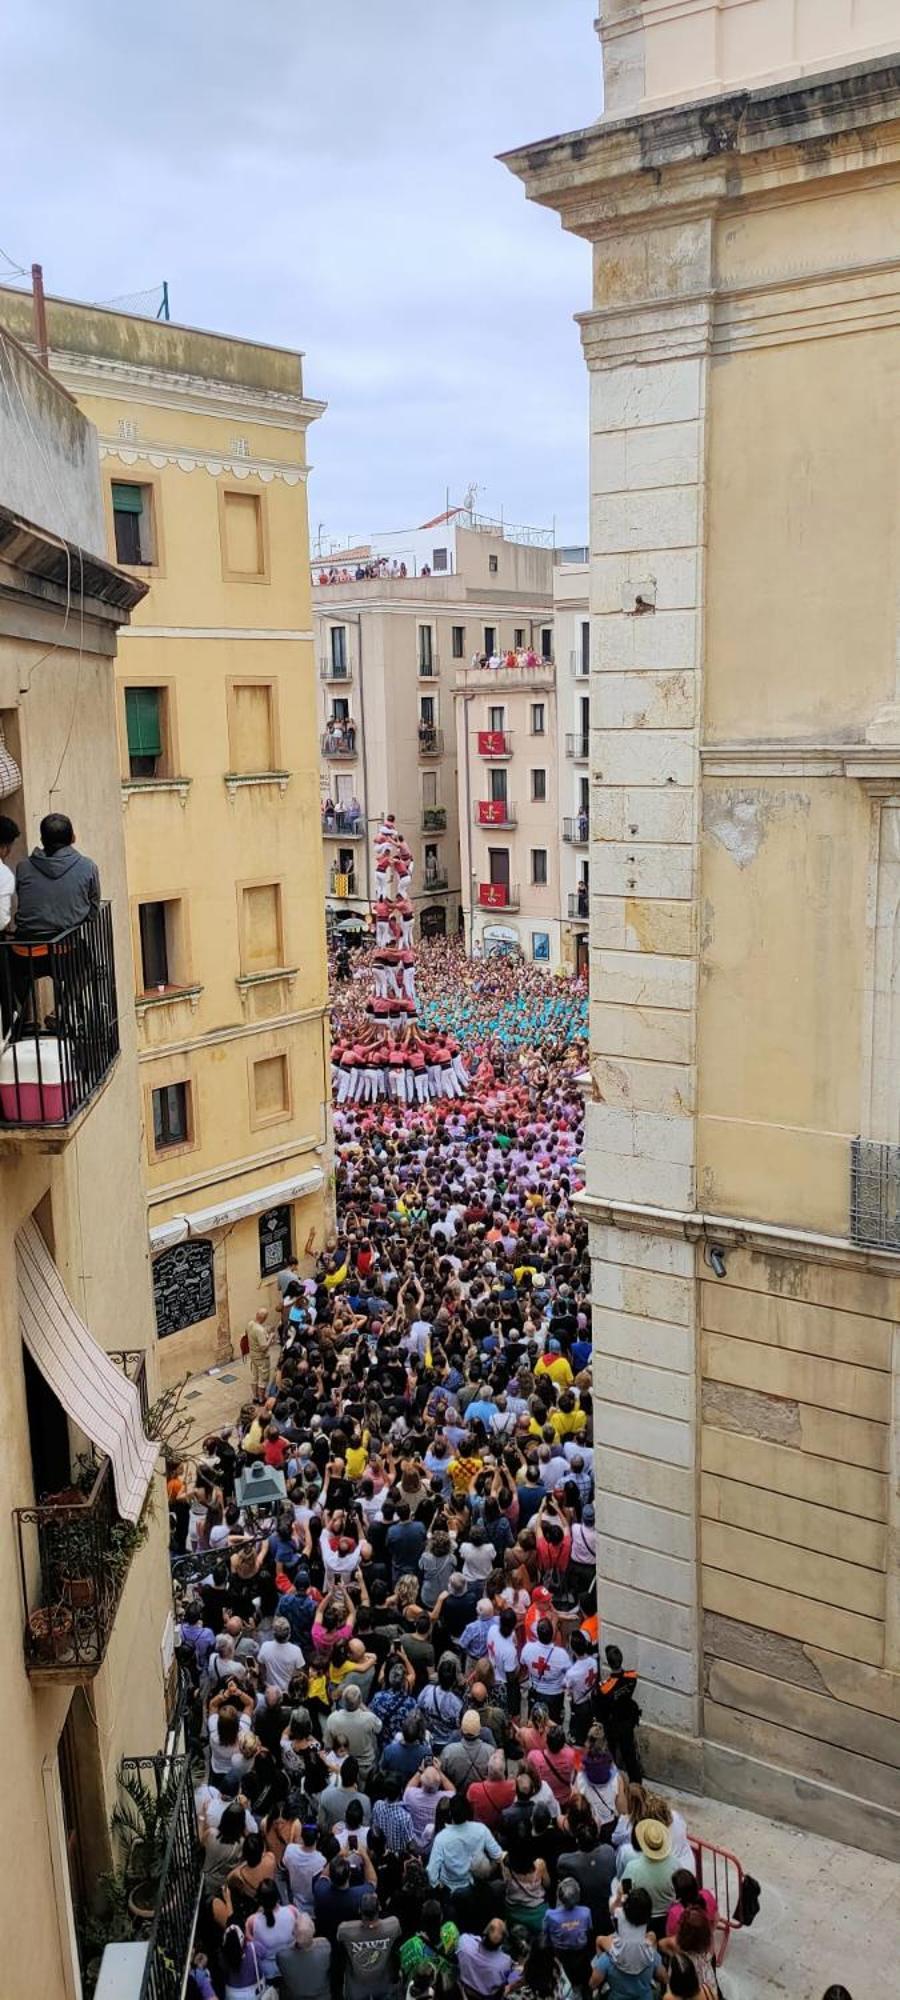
(744, 1122)
(202, 443)
(86, 1635)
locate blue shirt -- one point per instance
(627, 1985)
(569, 1930)
(455, 1849)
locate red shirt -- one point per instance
(489, 1798)
(275, 1451)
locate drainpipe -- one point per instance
(467, 699)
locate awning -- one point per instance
(202, 1220)
(95, 1393)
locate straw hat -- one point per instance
(654, 1839)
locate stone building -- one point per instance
(742, 201)
(203, 464)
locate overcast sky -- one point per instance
(323, 175)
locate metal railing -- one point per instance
(169, 1781)
(875, 1194)
(431, 740)
(580, 905)
(59, 1014)
(577, 830)
(339, 740)
(339, 821)
(721, 1873)
(342, 882)
(495, 743)
(578, 745)
(434, 819)
(498, 896)
(334, 670)
(580, 667)
(429, 670)
(133, 1363)
(494, 812)
(435, 878)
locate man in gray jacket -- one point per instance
(56, 888)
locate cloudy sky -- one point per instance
(324, 176)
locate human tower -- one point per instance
(393, 1056)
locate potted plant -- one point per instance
(142, 1820)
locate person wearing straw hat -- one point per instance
(653, 1866)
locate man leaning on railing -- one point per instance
(56, 887)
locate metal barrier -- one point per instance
(721, 1873)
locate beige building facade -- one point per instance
(393, 657)
(85, 1650)
(203, 461)
(743, 1131)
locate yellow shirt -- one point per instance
(558, 1369)
(567, 1423)
(355, 1458)
(335, 1277)
(463, 1473)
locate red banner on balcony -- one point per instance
(493, 895)
(492, 812)
(492, 743)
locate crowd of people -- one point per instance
(373, 568)
(515, 658)
(496, 1007)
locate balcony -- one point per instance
(577, 830)
(580, 906)
(157, 1822)
(339, 824)
(498, 896)
(579, 747)
(494, 812)
(74, 1556)
(58, 1001)
(334, 670)
(530, 670)
(339, 740)
(875, 1194)
(431, 740)
(435, 879)
(579, 666)
(494, 743)
(342, 883)
(434, 819)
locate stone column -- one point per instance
(648, 366)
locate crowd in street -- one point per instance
(497, 1007)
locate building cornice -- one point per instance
(157, 455)
(429, 607)
(736, 1232)
(96, 375)
(873, 764)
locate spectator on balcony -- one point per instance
(328, 815)
(9, 834)
(353, 813)
(56, 887)
(582, 824)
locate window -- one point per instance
(145, 730)
(271, 1089)
(251, 726)
(537, 718)
(133, 523)
(539, 866)
(585, 646)
(519, 638)
(426, 709)
(159, 927)
(426, 649)
(262, 947)
(498, 793)
(498, 866)
(171, 1116)
(490, 639)
(539, 786)
(429, 788)
(243, 543)
(459, 642)
(438, 559)
(493, 564)
(546, 642)
(497, 719)
(340, 708)
(584, 795)
(339, 649)
(540, 945)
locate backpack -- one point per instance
(746, 1908)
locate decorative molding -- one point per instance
(172, 996)
(246, 981)
(131, 786)
(264, 469)
(876, 765)
(95, 375)
(237, 781)
(213, 632)
(217, 1036)
(735, 1232)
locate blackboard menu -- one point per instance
(275, 1241)
(184, 1288)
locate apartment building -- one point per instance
(391, 648)
(203, 460)
(572, 630)
(86, 1635)
(743, 1130)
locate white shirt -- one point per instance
(503, 1653)
(7, 895)
(547, 1666)
(281, 1659)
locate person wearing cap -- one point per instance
(467, 1756)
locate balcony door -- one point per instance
(497, 779)
(48, 1432)
(498, 867)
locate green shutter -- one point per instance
(143, 722)
(127, 499)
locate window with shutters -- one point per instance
(147, 732)
(243, 533)
(133, 524)
(252, 745)
(262, 940)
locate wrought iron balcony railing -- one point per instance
(435, 878)
(494, 812)
(350, 826)
(578, 746)
(339, 740)
(342, 883)
(166, 1782)
(434, 819)
(498, 896)
(578, 830)
(75, 1552)
(875, 1194)
(580, 905)
(431, 740)
(60, 1024)
(334, 670)
(495, 743)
